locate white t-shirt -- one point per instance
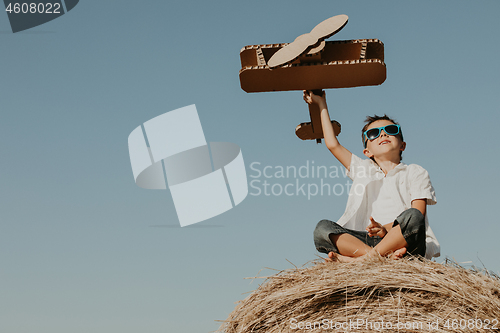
(383, 210)
(384, 197)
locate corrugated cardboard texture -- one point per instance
(341, 64)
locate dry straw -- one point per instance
(379, 294)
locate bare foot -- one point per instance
(332, 256)
(398, 254)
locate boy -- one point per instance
(387, 197)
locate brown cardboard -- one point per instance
(305, 131)
(341, 64)
(313, 130)
(310, 63)
(306, 42)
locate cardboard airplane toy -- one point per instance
(311, 63)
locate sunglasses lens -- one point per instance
(373, 133)
(391, 129)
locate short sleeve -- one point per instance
(354, 167)
(420, 185)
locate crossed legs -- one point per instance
(406, 235)
(351, 248)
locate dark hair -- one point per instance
(371, 119)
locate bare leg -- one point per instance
(332, 256)
(348, 245)
(398, 254)
(393, 242)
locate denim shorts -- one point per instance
(411, 222)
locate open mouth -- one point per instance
(384, 142)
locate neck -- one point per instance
(387, 165)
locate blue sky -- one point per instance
(82, 248)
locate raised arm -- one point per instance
(331, 142)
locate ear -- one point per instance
(403, 146)
(367, 153)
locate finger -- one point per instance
(307, 97)
(374, 223)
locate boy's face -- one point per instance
(385, 146)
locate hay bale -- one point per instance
(407, 295)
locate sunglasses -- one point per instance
(374, 133)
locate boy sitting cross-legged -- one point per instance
(388, 198)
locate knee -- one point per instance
(412, 218)
(414, 214)
(322, 236)
(321, 226)
(413, 229)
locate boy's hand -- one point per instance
(376, 229)
(311, 98)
